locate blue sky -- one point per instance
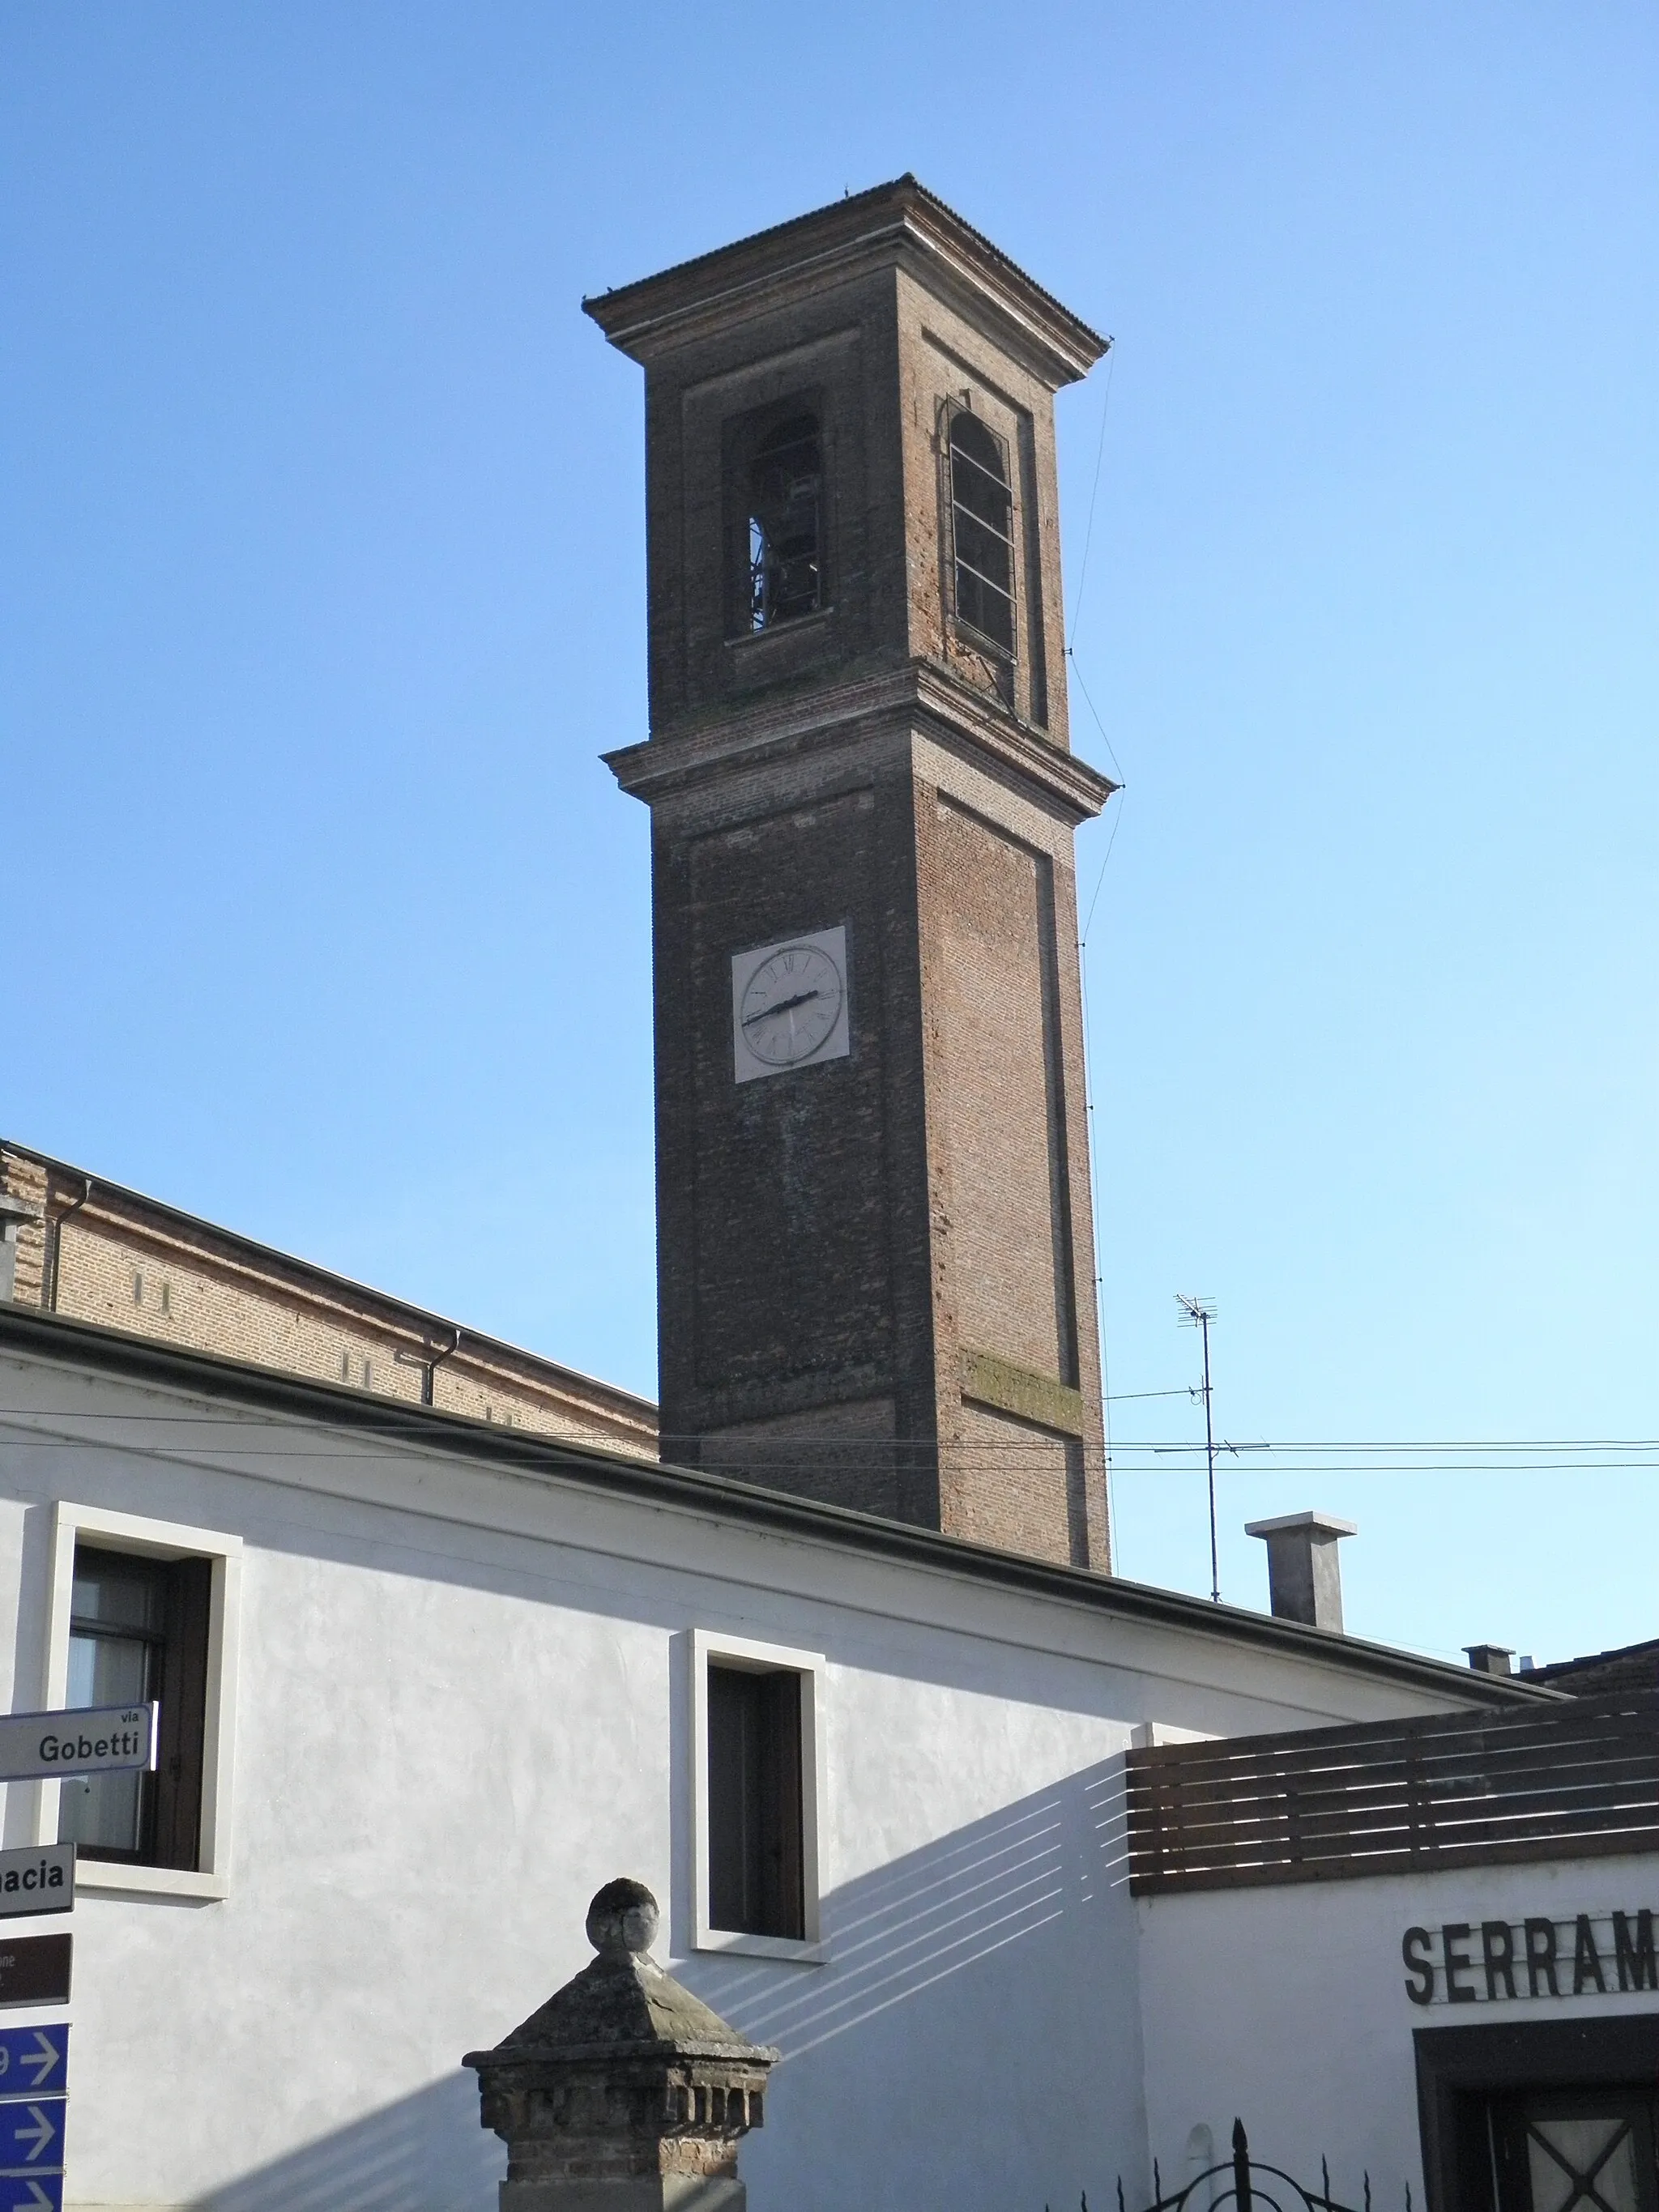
(321, 559)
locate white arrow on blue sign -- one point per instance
(44, 2194)
(31, 2134)
(33, 2059)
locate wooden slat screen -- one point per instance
(1570, 1781)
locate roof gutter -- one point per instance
(55, 1243)
(551, 1460)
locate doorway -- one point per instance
(1572, 2150)
(1542, 2116)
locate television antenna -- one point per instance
(1199, 1313)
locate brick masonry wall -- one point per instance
(791, 1253)
(1020, 1457)
(28, 1180)
(843, 1454)
(1006, 1166)
(791, 1237)
(126, 1264)
(1008, 1483)
(943, 361)
(834, 353)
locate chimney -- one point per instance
(1490, 1658)
(1304, 1580)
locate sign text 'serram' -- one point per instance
(1491, 1961)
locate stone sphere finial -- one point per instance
(623, 1918)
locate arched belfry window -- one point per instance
(981, 530)
(786, 554)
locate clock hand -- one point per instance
(780, 1006)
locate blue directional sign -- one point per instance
(31, 2134)
(33, 2059)
(35, 2193)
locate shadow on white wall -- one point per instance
(981, 1957)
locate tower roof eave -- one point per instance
(900, 222)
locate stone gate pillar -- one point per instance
(624, 2092)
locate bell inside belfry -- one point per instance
(785, 566)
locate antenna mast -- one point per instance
(1199, 1313)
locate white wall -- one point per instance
(1287, 2007)
(464, 1703)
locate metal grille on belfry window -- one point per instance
(981, 529)
(785, 567)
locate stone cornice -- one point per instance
(918, 694)
(903, 224)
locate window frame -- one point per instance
(980, 639)
(161, 1659)
(742, 437)
(743, 1655)
(166, 1541)
(769, 455)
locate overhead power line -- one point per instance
(83, 1417)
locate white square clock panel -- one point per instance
(789, 1005)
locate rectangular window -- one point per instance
(776, 512)
(981, 530)
(145, 1610)
(138, 1632)
(756, 1797)
(753, 1803)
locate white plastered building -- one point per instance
(456, 1677)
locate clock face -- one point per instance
(788, 1004)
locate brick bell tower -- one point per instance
(876, 1265)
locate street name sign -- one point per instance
(35, 1969)
(39, 1878)
(98, 1740)
(31, 2134)
(41, 2192)
(34, 2059)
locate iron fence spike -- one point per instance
(1325, 2177)
(1368, 2193)
(1241, 2167)
(1121, 2208)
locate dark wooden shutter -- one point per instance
(755, 1884)
(177, 1827)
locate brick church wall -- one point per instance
(1016, 1485)
(127, 1262)
(1005, 1134)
